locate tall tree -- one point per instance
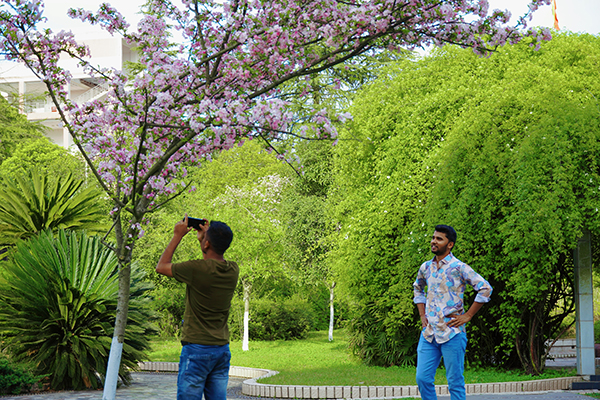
(220, 87)
(309, 222)
(506, 152)
(255, 215)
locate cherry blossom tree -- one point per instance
(220, 85)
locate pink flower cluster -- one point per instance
(222, 84)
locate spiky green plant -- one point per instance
(32, 202)
(58, 298)
(369, 340)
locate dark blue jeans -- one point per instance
(203, 370)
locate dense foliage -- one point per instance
(15, 379)
(57, 307)
(280, 319)
(49, 158)
(278, 240)
(505, 149)
(14, 129)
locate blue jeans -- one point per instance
(428, 359)
(203, 370)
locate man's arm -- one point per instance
(164, 263)
(484, 293)
(466, 317)
(421, 308)
(419, 295)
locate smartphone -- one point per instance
(195, 222)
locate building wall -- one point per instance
(20, 86)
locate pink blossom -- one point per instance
(222, 85)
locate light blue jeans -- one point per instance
(203, 370)
(428, 360)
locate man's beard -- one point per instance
(440, 250)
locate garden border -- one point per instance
(250, 387)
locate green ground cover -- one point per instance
(316, 361)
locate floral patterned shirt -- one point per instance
(446, 285)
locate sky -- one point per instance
(573, 15)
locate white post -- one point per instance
(331, 311)
(584, 289)
(245, 339)
(22, 97)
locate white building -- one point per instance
(20, 86)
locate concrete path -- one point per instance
(163, 386)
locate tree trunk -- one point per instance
(116, 348)
(331, 311)
(124, 250)
(247, 288)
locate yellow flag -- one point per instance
(555, 17)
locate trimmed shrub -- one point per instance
(280, 320)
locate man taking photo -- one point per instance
(210, 284)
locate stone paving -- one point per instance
(160, 386)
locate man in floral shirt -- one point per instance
(443, 316)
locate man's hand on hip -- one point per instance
(459, 320)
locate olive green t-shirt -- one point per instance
(209, 288)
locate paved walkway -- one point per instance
(162, 386)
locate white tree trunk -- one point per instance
(116, 348)
(112, 370)
(245, 340)
(124, 252)
(331, 311)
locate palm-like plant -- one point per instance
(58, 298)
(31, 203)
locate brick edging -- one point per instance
(250, 387)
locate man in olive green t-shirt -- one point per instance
(210, 283)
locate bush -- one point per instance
(58, 300)
(286, 319)
(375, 345)
(14, 379)
(169, 304)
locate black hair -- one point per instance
(448, 231)
(220, 236)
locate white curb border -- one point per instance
(250, 387)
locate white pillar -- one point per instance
(22, 97)
(66, 138)
(584, 289)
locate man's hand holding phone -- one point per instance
(181, 228)
(195, 222)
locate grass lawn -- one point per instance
(316, 361)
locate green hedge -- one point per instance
(281, 319)
(270, 319)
